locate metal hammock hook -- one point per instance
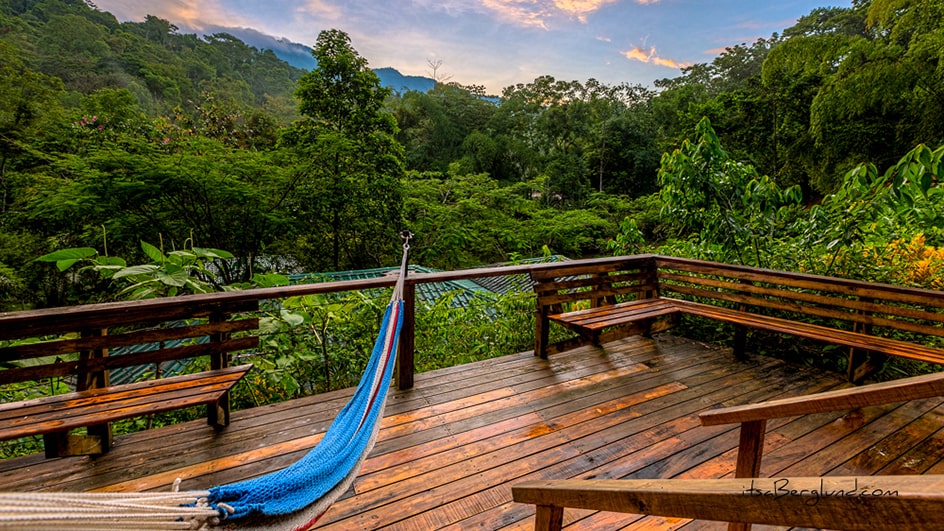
(407, 236)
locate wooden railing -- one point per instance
(85, 318)
(70, 323)
(601, 301)
(87, 329)
(79, 319)
(870, 503)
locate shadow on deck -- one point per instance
(451, 447)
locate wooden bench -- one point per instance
(648, 294)
(875, 502)
(92, 408)
(599, 302)
(77, 349)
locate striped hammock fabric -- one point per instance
(296, 496)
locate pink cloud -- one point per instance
(581, 8)
(649, 56)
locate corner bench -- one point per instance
(67, 348)
(644, 295)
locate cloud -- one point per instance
(647, 2)
(581, 8)
(537, 13)
(198, 14)
(529, 13)
(321, 9)
(193, 14)
(649, 56)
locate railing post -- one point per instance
(548, 518)
(651, 269)
(218, 413)
(862, 363)
(407, 338)
(750, 453)
(603, 282)
(98, 438)
(740, 332)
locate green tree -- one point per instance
(433, 126)
(722, 204)
(350, 194)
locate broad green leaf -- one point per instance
(107, 270)
(270, 280)
(269, 325)
(212, 253)
(76, 253)
(145, 269)
(924, 155)
(292, 318)
(111, 261)
(183, 254)
(153, 253)
(65, 264)
(172, 275)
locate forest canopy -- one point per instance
(814, 149)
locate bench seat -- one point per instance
(602, 317)
(614, 321)
(836, 336)
(591, 323)
(60, 413)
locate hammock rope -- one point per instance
(293, 498)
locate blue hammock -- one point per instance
(303, 491)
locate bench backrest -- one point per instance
(608, 282)
(801, 296)
(61, 343)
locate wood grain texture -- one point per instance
(905, 389)
(451, 447)
(98, 406)
(853, 503)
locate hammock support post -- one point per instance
(405, 366)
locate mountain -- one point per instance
(390, 77)
(293, 53)
(299, 56)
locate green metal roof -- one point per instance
(462, 292)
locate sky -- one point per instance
(498, 43)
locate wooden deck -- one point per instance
(451, 447)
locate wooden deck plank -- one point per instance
(451, 447)
(922, 456)
(603, 441)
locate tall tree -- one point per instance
(351, 196)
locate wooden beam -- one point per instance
(905, 389)
(548, 518)
(405, 362)
(857, 503)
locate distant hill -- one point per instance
(390, 77)
(293, 53)
(299, 56)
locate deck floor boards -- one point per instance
(450, 448)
